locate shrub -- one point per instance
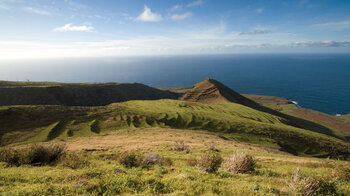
(70, 133)
(10, 156)
(151, 159)
(95, 126)
(180, 146)
(43, 154)
(308, 186)
(343, 172)
(74, 160)
(210, 162)
(129, 159)
(36, 154)
(239, 163)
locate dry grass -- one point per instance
(180, 146)
(209, 162)
(239, 163)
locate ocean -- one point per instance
(316, 81)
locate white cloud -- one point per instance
(176, 7)
(37, 11)
(70, 27)
(339, 25)
(255, 32)
(259, 10)
(195, 3)
(215, 39)
(181, 16)
(148, 16)
(322, 44)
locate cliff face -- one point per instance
(80, 94)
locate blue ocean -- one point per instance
(316, 81)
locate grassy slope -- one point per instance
(345, 117)
(211, 91)
(76, 94)
(339, 125)
(230, 120)
(271, 177)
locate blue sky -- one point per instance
(79, 28)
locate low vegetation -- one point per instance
(154, 168)
(209, 162)
(166, 147)
(239, 163)
(35, 154)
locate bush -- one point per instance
(151, 159)
(43, 154)
(70, 133)
(95, 126)
(36, 154)
(10, 156)
(239, 163)
(308, 186)
(129, 159)
(74, 160)
(210, 162)
(180, 146)
(343, 172)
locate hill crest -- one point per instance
(210, 91)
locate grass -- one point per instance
(105, 175)
(340, 126)
(229, 120)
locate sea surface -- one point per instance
(316, 81)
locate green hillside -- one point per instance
(230, 120)
(339, 125)
(169, 146)
(76, 94)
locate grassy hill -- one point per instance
(230, 120)
(340, 126)
(165, 146)
(77, 94)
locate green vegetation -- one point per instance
(229, 120)
(98, 173)
(214, 142)
(76, 94)
(338, 126)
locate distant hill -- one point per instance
(84, 94)
(212, 91)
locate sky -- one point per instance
(89, 28)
